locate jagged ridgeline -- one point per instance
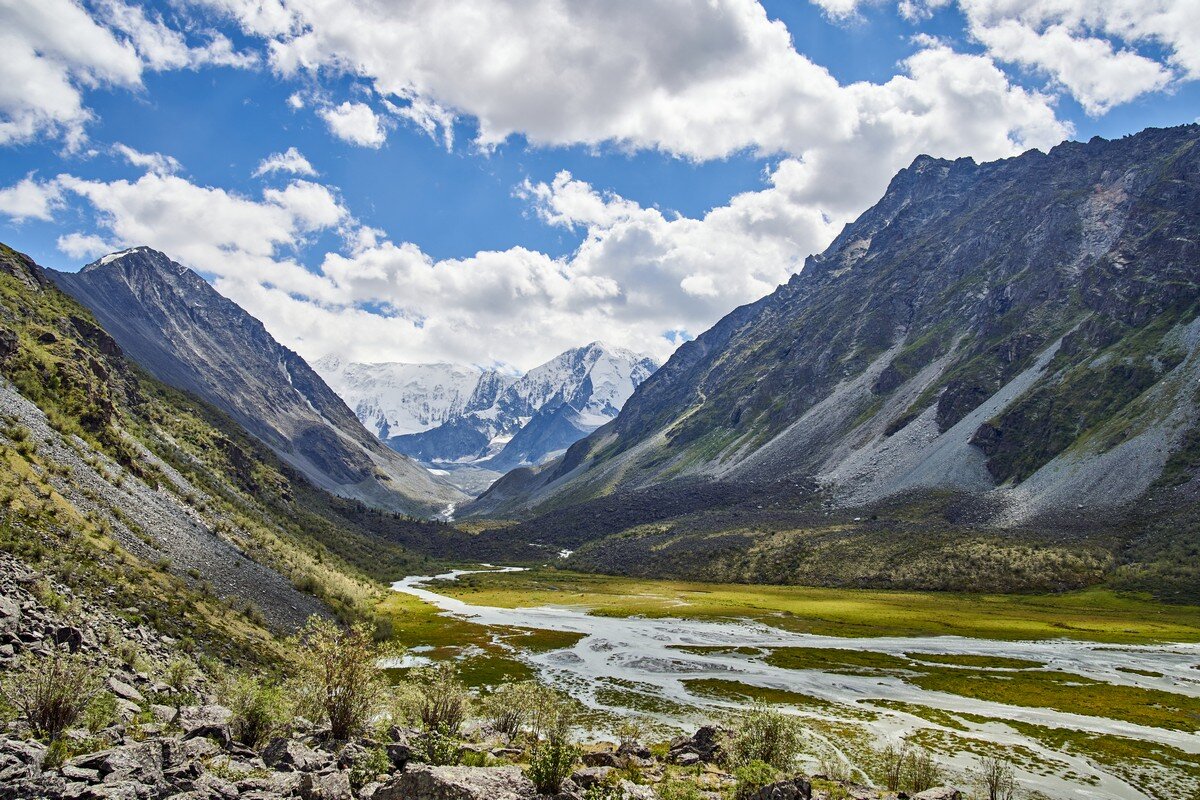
(1009, 346)
(135, 492)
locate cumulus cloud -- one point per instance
(30, 199)
(355, 123)
(55, 50)
(151, 162)
(1087, 47)
(290, 161)
(83, 245)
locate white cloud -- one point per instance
(290, 161)
(1087, 47)
(55, 50)
(356, 123)
(162, 47)
(83, 245)
(151, 162)
(30, 199)
(51, 49)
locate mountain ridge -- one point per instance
(442, 413)
(1022, 333)
(183, 331)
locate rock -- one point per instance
(289, 755)
(602, 758)
(588, 777)
(635, 791)
(163, 714)
(142, 762)
(399, 754)
(119, 790)
(423, 782)
(797, 788)
(939, 793)
(687, 759)
(707, 743)
(211, 722)
(80, 774)
(69, 637)
(327, 786)
(124, 691)
(634, 750)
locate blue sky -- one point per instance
(684, 195)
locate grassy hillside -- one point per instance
(147, 500)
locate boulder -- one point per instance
(602, 758)
(635, 791)
(939, 793)
(708, 742)
(288, 755)
(69, 637)
(124, 691)
(210, 722)
(588, 777)
(140, 763)
(423, 782)
(399, 754)
(326, 786)
(797, 788)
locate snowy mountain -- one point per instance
(448, 414)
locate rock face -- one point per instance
(1022, 331)
(422, 782)
(180, 329)
(446, 413)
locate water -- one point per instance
(642, 650)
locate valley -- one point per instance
(1091, 692)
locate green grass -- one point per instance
(736, 691)
(1091, 615)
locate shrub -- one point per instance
(996, 778)
(368, 767)
(893, 763)
(444, 699)
(101, 712)
(768, 736)
(341, 667)
(923, 772)
(554, 758)
(752, 776)
(513, 706)
(180, 674)
(678, 790)
(260, 710)
(52, 693)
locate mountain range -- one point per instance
(185, 333)
(1009, 346)
(444, 414)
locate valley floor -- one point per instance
(1089, 693)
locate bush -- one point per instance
(996, 778)
(368, 767)
(922, 771)
(678, 790)
(340, 665)
(752, 776)
(437, 702)
(52, 693)
(513, 706)
(180, 674)
(768, 736)
(101, 712)
(554, 758)
(260, 710)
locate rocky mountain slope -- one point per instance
(133, 492)
(180, 329)
(1022, 333)
(444, 413)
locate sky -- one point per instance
(492, 182)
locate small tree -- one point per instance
(893, 762)
(52, 693)
(260, 709)
(554, 757)
(342, 667)
(509, 708)
(996, 778)
(768, 736)
(923, 772)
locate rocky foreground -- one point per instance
(167, 738)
